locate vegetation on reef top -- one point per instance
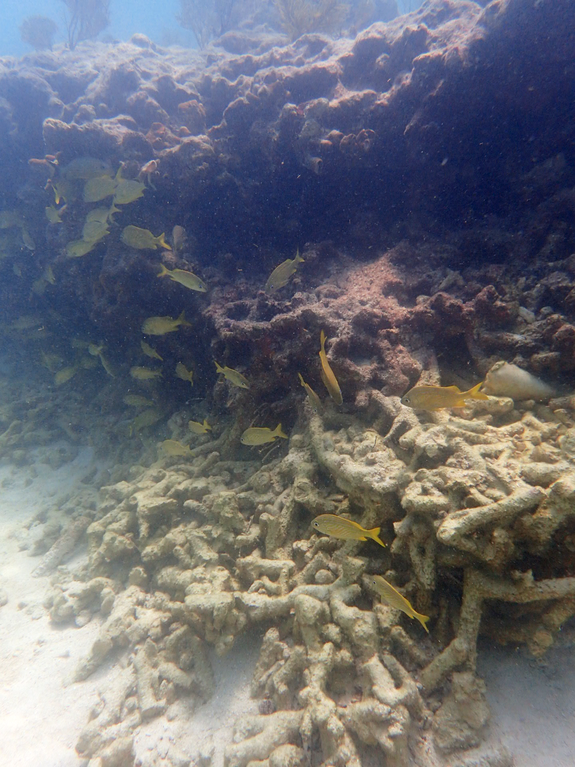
(86, 19)
(38, 31)
(299, 17)
(207, 19)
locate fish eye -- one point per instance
(405, 400)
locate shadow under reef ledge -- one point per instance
(188, 555)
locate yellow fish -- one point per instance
(149, 351)
(128, 191)
(314, 400)
(184, 374)
(199, 428)
(178, 237)
(144, 374)
(142, 239)
(439, 397)
(64, 375)
(78, 248)
(28, 241)
(101, 214)
(83, 168)
(327, 374)
(63, 190)
(159, 326)
(173, 447)
(340, 527)
(282, 273)
(53, 215)
(145, 418)
(136, 400)
(92, 231)
(256, 435)
(96, 189)
(235, 378)
(187, 279)
(394, 599)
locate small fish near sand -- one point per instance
(199, 428)
(281, 275)
(327, 374)
(159, 326)
(346, 529)
(187, 279)
(257, 435)
(231, 375)
(393, 598)
(142, 239)
(440, 397)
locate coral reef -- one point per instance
(426, 258)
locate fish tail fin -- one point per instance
(163, 271)
(422, 619)
(182, 319)
(279, 433)
(474, 392)
(322, 341)
(374, 535)
(219, 368)
(302, 382)
(206, 425)
(298, 258)
(161, 240)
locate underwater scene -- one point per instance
(287, 383)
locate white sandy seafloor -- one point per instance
(532, 703)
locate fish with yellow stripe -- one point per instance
(327, 374)
(440, 397)
(393, 598)
(346, 529)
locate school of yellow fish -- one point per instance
(100, 183)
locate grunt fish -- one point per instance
(235, 378)
(53, 215)
(173, 447)
(84, 168)
(136, 400)
(394, 599)
(199, 428)
(313, 398)
(346, 529)
(142, 239)
(281, 274)
(159, 326)
(64, 375)
(128, 191)
(507, 380)
(256, 435)
(327, 374)
(92, 231)
(78, 248)
(144, 374)
(184, 374)
(144, 419)
(149, 351)
(439, 397)
(185, 278)
(96, 189)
